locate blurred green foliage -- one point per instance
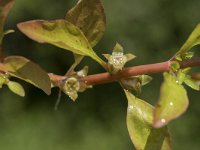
(152, 30)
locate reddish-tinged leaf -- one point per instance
(60, 33)
(172, 103)
(28, 71)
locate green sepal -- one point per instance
(129, 57)
(118, 48)
(107, 56)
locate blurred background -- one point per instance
(152, 30)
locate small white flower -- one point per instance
(117, 60)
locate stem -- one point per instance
(103, 78)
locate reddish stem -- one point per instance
(103, 78)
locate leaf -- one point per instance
(172, 103)
(16, 88)
(5, 6)
(139, 123)
(28, 71)
(193, 40)
(60, 33)
(89, 16)
(192, 83)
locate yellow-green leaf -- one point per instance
(139, 123)
(16, 88)
(192, 83)
(28, 71)
(172, 103)
(193, 40)
(89, 16)
(5, 6)
(60, 33)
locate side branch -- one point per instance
(103, 78)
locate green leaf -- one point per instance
(192, 83)
(193, 40)
(89, 16)
(172, 103)
(60, 33)
(28, 71)
(16, 88)
(107, 56)
(139, 123)
(5, 6)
